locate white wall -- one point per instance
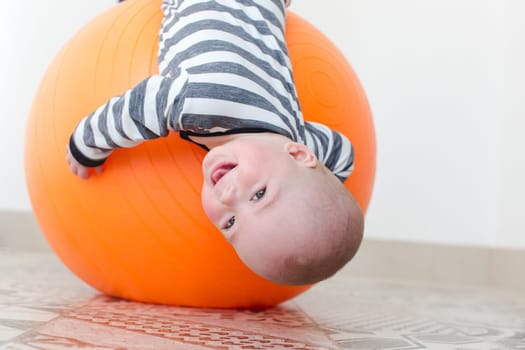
(31, 33)
(445, 82)
(512, 124)
(444, 79)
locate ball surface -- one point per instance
(138, 231)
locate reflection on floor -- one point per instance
(42, 306)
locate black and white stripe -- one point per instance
(224, 69)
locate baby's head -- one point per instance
(289, 219)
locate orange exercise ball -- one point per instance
(138, 231)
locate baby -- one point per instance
(272, 182)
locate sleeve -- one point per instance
(332, 148)
(148, 111)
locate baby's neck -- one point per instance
(214, 141)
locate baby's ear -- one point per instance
(301, 153)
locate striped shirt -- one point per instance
(224, 69)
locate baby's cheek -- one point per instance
(210, 206)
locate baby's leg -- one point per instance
(177, 29)
(168, 31)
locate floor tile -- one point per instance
(7, 333)
(43, 306)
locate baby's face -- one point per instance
(249, 190)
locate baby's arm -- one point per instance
(332, 148)
(148, 111)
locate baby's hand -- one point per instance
(79, 169)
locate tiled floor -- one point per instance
(42, 306)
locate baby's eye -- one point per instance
(257, 196)
(230, 223)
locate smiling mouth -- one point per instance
(219, 171)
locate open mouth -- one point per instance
(219, 171)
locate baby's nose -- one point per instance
(227, 196)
